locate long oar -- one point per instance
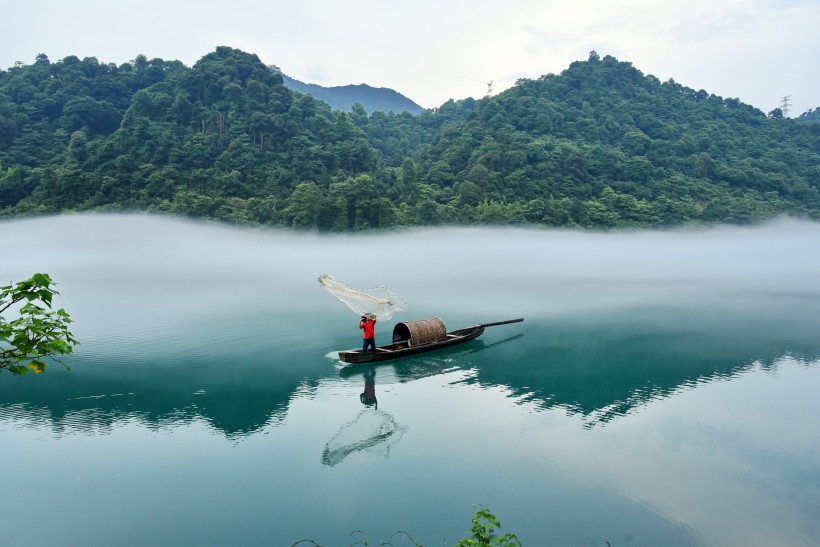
(502, 322)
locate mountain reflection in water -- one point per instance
(599, 367)
(234, 353)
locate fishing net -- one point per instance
(372, 431)
(379, 302)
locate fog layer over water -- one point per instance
(125, 260)
(661, 390)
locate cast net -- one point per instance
(379, 302)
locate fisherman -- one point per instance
(368, 325)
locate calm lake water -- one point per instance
(662, 389)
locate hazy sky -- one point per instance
(756, 50)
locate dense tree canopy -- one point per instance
(599, 145)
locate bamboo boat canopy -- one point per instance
(419, 333)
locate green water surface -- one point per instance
(639, 403)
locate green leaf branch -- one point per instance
(38, 332)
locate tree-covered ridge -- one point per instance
(599, 145)
(811, 116)
(602, 144)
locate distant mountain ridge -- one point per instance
(373, 99)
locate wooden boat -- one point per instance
(414, 337)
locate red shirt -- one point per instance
(369, 325)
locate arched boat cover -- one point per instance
(419, 333)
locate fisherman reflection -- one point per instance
(372, 431)
(368, 396)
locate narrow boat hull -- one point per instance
(395, 351)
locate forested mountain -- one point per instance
(343, 97)
(599, 145)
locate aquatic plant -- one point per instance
(481, 534)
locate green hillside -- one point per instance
(599, 145)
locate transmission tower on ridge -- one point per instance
(785, 104)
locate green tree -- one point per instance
(38, 332)
(304, 206)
